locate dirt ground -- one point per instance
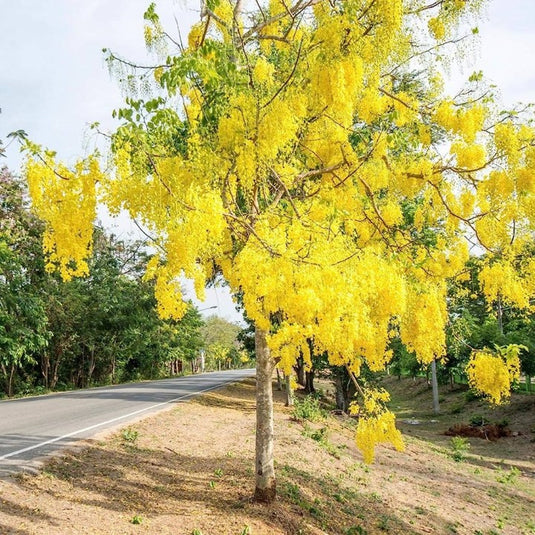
(190, 471)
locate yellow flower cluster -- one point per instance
(422, 327)
(263, 72)
(66, 201)
(469, 155)
(319, 296)
(466, 122)
(437, 28)
(375, 430)
(371, 105)
(492, 374)
(507, 140)
(168, 293)
(195, 35)
(406, 108)
(501, 280)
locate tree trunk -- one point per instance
(45, 367)
(289, 393)
(91, 367)
(265, 490)
(279, 380)
(4, 373)
(113, 365)
(340, 393)
(10, 383)
(300, 371)
(309, 382)
(434, 384)
(55, 374)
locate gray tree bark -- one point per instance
(279, 380)
(289, 393)
(265, 490)
(434, 384)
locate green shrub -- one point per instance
(308, 409)
(509, 477)
(470, 395)
(459, 446)
(130, 435)
(478, 420)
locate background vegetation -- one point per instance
(100, 329)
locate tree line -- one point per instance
(99, 329)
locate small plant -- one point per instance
(459, 446)
(457, 408)
(308, 409)
(322, 438)
(130, 435)
(477, 420)
(509, 477)
(218, 472)
(470, 395)
(136, 519)
(291, 490)
(355, 530)
(212, 484)
(384, 522)
(246, 531)
(196, 532)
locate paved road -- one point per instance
(31, 428)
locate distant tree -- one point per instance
(23, 326)
(221, 341)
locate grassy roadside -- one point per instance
(190, 471)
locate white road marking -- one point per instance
(73, 433)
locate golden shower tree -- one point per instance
(304, 150)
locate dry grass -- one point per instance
(190, 471)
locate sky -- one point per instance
(54, 82)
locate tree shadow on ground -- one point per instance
(155, 483)
(121, 478)
(17, 511)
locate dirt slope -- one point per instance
(190, 471)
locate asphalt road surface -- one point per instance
(32, 428)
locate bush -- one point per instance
(459, 446)
(308, 409)
(478, 420)
(129, 435)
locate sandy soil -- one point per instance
(190, 471)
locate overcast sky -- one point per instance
(53, 81)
